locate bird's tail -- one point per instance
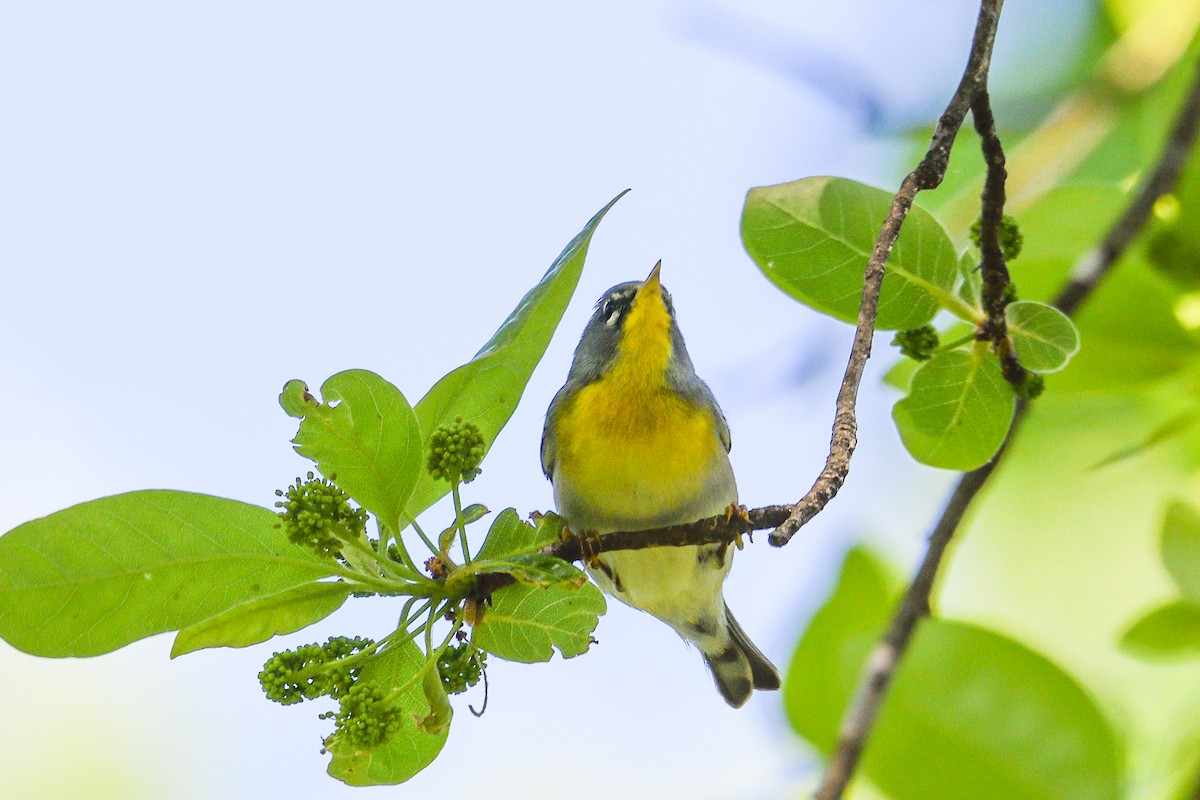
(738, 666)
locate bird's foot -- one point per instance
(589, 545)
(742, 513)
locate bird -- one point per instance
(635, 440)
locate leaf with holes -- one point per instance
(525, 623)
(958, 410)
(510, 535)
(364, 437)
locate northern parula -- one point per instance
(635, 440)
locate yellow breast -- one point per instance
(630, 453)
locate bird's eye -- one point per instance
(611, 311)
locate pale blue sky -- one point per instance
(199, 202)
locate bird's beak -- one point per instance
(650, 286)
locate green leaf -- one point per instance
(257, 620)
(974, 714)
(510, 535)
(1181, 548)
(1045, 337)
(525, 623)
(827, 664)
(536, 569)
(813, 237)
(410, 749)
(899, 375)
(487, 388)
(1131, 332)
(102, 574)
(1169, 631)
(470, 514)
(970, 714)
(957, 412)
(971, 289)
(369, 443)
(1060, 227)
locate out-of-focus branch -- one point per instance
(1092, 268)
(881, 667)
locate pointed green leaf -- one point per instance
(510, 535)
(974, 714)
(957, 412)
(827, 664)
(813, 237)
(1045, 337)
(1181, 548)
(487, 388)
(1169, 631)
(102, 574)
(525, 623)
(259, 619)
(364, 437)
(410, 749)
(470, 514)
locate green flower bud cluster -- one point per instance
(364, 718)
(1009, 234)
(312, 670)
(1032, 386)
(317, 514)
(455, 452)
(917, 343)
(460, 668)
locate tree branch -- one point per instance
(881, 667)
(992, 264)
(927, 175)
(1096, 264)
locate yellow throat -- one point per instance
(628, 441)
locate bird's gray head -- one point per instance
(598, 344)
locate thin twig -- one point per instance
(882, 665)
(992, 265)
(927, 175)
(712, 530)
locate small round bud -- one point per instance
(364, 718)
(1009, 234)
(317, 514)
(311, 670)
(455, 452)
(460, 668)
(917, 343)
(1032, 386)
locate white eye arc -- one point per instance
(611, 312)
(610, 309)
